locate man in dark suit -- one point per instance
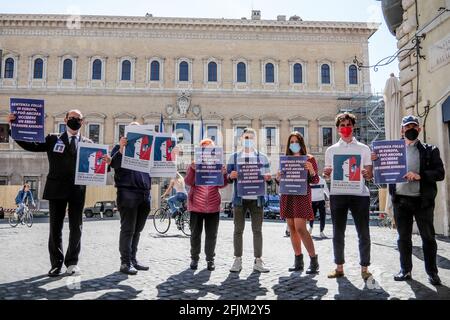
(61, 191)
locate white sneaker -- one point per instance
(310, 230)
(259, 266)
(73, 270)
(322, 235)
(237, 265)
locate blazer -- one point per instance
(61, 176)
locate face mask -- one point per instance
(346, 131)
(248, 143)
(74, 124)
(411, 134)
(295, 147)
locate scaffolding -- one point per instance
(369, 112)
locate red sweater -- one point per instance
(203, 199)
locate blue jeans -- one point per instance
(20, 209)
(172, 201)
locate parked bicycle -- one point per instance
(163, 217)
(25, 217)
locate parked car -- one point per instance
(272, 207)
(109, 209)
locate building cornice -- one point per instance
(173, 25)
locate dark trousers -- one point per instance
(359, 207)
(57, 209)
(134, 209)
(319, 205)
(211, 221)
(405, 208)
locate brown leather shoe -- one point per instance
(366, 275)
(335, 274)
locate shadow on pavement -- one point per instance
(423, 292)
(295, 287)
(348, 291)
(187, 285)
(442, 262)
(235, 288)
(33, 288)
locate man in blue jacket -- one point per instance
(24, 197)
(133, 201)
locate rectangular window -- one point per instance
(4, 136)
(61, 127)
(212, 132)
(271, 137)
(327, 136)
(3, 181)
(121, 128)
(237, 135)
(301, 130)
(94, 133)
(34, 184)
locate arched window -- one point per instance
(241, 72)
(325, 74)
(352, 74)
(154, 71)
(298, 73)
(270, 74)
(38, 69)
(184, 71)
(97, 69)
(212, 71)
(67, 69)
(126, 70)
(9, 68)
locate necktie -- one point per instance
(73, 146)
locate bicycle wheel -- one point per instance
(13, 220)
(161, 220)
(29, 219)
(185, 223)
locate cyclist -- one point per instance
(180, 196)
(24, 197)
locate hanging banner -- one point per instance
(294, 176)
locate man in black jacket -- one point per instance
(415, 199)
(133, 201)
(61, 191)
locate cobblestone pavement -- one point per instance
(24, 263)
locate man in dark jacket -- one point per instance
(133, 201)
(61, 191)
(415, 199)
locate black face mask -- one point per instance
(411, 134)
(74, 124)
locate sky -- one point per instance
(381, 44)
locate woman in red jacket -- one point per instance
(204, 205)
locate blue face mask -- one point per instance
(248, 143)
(295, 147)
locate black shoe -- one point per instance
(298, 264)
(313, 266)
(128, 269)
(211, 266)
(139, 266)
(434, 279)
(194, 264)
(402, 276)
(54, 272)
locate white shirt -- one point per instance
(348, 148)
(319, 190)
(78, 136)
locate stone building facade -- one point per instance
(225, 74)
(425, 82)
